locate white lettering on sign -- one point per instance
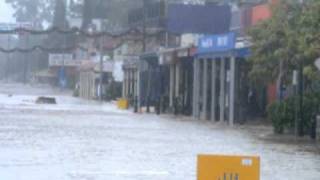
(222, 41)
(247, 162)
(207, 43)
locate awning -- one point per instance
(149, 56)
(170, 55)
(131, 63)
(87, 65)
(238, 53)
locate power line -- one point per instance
(76, 31)
(129, 35)
(40, 48)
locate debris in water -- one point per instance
(46, 100)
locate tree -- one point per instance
(32, 10)
(282, 43)
(59, 18)
(115, 11)
(309, 41)
(60, 21)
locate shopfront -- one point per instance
(217, 79)
(180, 65)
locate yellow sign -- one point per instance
(212, 167)
(123, 103)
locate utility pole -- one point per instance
(144, 28)
(144, 32)
(144, 50)
(300, 92)
(301, 89)
(295, 81)
(63, 82)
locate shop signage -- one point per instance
(211, 167)
(63, 60)
(13, 26)
(108, 66)
(183, 53)
(217, 43)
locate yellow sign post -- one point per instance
(212, 167)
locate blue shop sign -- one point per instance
(217, 43)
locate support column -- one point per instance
(88, 86)
(138, 87)
(177, 88)
(124, 84)
(132, 83)
(196, 92)
(127, 82)
(87, 92)
(130, 79)
(80, 85)
(232, 90)
(172, 79)
(222, 88)
(136, 91)
(205, 90)
(213, 90)
(86, 80)
(194, 88)
(177, 79)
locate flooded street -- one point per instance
(82, 140)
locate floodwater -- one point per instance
(84, 140)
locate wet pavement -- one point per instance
(84, 140)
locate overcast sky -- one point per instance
(5, 12)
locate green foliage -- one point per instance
(290, 37)
(59, 18)
(282, 114)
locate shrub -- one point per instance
(282, 114)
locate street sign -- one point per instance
(217, 43)
(295, 78)
(217, 167)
